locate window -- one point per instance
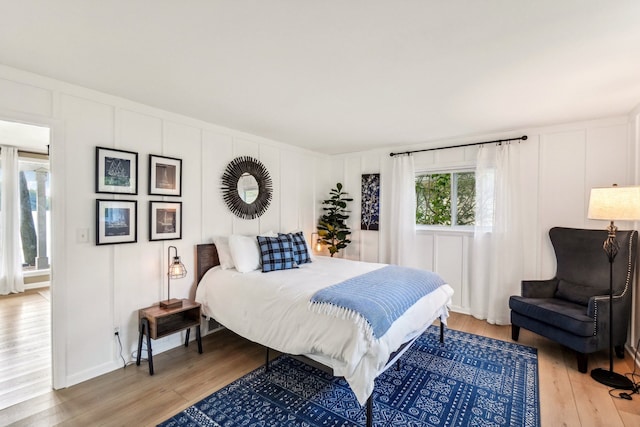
(35, 222)
(445, 198)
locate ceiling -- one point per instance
(336, 76)
(24, 137)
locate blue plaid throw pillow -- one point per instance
(276, 253)
(299, 244)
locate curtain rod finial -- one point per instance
(524, 137)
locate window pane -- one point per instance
(27, 224)
(34, 214)
(435, 194)
(466, 198)
(433, 199)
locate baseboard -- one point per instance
(635, 354)
(461, 310)
(36, 285)
(91, 373)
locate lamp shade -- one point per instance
(177, 269)
(615, 203)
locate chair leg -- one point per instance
(582, 362)
(515, 332)
(619, 351)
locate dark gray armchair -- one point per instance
(573, 307)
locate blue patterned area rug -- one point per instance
(467, 381)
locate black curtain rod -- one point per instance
(497, 141)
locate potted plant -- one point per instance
(332, 227)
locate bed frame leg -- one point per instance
(441, 332)
(370, 411)
(266, 362)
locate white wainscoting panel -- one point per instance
(217, 152)
(369, 245)
(562, 174)
(424, 251)
(449, 263)
(25, 98)
(271, 159)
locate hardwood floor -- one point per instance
(130, 396)
(25, 346)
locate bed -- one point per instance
(273, 309)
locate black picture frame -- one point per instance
(116, 171)
(165, 220)
(165, 176)
(370, 202)
(116, 221)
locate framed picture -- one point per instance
(165, 220)
(116, 221)
(116, 171)
(165, 176)
(370, 213)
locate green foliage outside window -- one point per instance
(466, 196)
(433, 199)
(445, 198)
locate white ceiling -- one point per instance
(342, 75)
(23, 136)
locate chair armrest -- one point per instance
(598, 308)
(539, 288)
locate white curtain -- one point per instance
(11, 280)
(497, 265)
(403, 210)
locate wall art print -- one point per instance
(116, 221)
(116, 171)
(165, 220)
(370, 215)
(165, 176)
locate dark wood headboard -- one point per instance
(206, 258)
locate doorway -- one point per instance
(25, 334)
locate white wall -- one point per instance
(559, 166)
(634, 137)
(97, 288)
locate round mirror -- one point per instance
(246, 187)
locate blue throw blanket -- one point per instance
(376, 298)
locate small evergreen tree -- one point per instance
(332, 227)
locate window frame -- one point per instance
(446, 170)
(44, 159)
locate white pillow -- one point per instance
(224, 253)
(245, 252)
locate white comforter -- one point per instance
(272, 309)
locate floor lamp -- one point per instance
(622, 204)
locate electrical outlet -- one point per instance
(116, 330)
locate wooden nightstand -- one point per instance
(156, 322)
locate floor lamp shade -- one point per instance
(615, 203)
(623, 204)
(175, 270)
